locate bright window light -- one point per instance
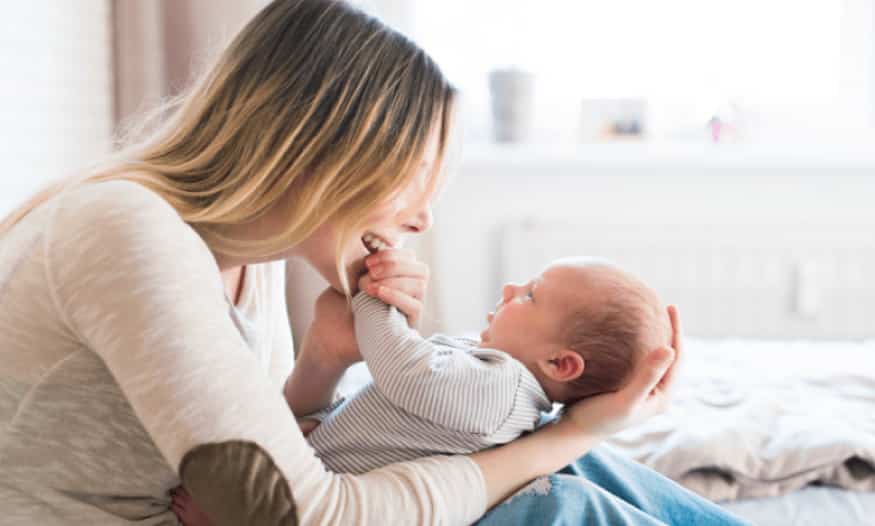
(686, 57)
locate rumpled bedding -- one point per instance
(764, 418)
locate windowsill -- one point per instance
(668, 153)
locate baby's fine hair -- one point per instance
(610, 334)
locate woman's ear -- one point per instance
(563, 366)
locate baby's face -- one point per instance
(527, 320)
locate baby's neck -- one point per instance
(555, 391)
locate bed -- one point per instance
(779, 432)
(812, 506)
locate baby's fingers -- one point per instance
(412, 287)
(410, 306)
(365, 283)
(399, 269)
(396, 263)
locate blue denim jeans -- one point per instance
(604, 488)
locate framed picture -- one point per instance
(613, 119)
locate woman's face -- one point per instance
(408, 212)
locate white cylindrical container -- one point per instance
(513, 104)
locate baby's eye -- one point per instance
(530, 295)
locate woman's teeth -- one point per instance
(374, 243)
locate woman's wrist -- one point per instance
(561, 443)
(312, 383)
(321, 363)
(507, 468)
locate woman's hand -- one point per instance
(585, 424)
(307, 425)
(332, 333)
(328, 349)
(647, 394)
(397, 278)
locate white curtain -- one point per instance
(73, 70)
(56, 94)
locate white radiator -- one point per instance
(769, 282)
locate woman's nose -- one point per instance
(421, 221)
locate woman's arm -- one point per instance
(313, 381)
(328, 349)
(138, 287)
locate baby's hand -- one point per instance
(185, 509)
(307, 425)
(397, 278)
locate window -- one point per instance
(791, 67)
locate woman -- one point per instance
(143, 334)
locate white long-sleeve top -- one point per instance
(431, 396)
(120, 353)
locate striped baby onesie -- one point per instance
(431, 396)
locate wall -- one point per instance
(633, 184)
(55, 94)
(160, 46)
(74, 71)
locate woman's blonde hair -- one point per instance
(314, 106)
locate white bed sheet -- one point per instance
(765, 362)
(811, 506)
(754, 419)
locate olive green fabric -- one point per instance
(236, 482)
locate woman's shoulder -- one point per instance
(123, 219)
(118, 207)
(116, 198)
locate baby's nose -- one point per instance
(510, 292)
(507, 292)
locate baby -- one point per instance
(574, 331)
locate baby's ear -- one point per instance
(564, 366)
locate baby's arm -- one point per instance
(437, 382)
